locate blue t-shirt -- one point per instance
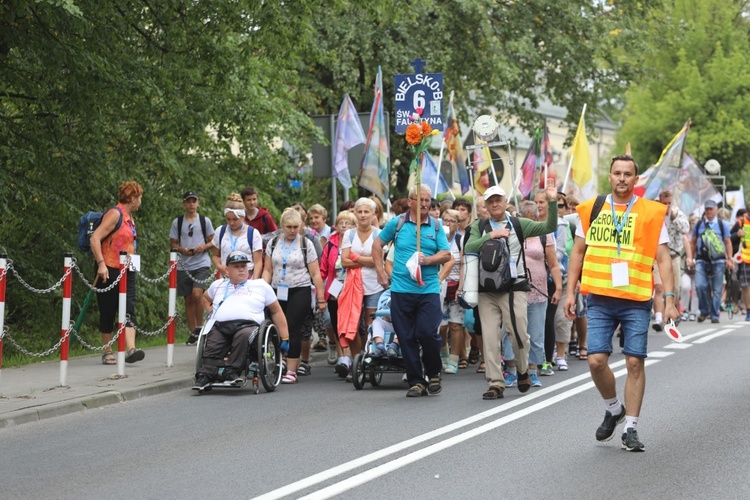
(406, 244)
(700, 228)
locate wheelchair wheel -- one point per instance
(358, 372)
(200, 346)
(269, 355)
(375, 377)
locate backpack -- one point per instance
(402, 221)
(250, 232)
(712, 247)
(375, 232)
(88, 224)
(495, 259)
(202, 218)
(303, 247)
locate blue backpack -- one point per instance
(250, 232)
(88, 224)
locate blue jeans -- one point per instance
(709, 280)
(605, 313)
(536, 314)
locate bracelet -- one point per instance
(669, 294)
(322, 302)
(99, 262)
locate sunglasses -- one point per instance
(190, 231)
(239, 259)
(424, 201)
(560, 205)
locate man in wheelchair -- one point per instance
(237, 304)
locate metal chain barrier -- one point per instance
(156, 332)
(184, 325)
(211, 277)
(5, 271)
(160, 278)
(103, 347)
(92, 287)
(48, 351)
(39, 290)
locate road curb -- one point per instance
(105, 398)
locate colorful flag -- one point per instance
(429, 171)
(349, 133)
(581, 171)
(373, 175)
(455, 148)
(671, 156)
(482, 164)
(528, 167)
(543, 165)
(736, 200)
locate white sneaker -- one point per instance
(332, 354)
(562, 365)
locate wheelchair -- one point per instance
(263, 361)
(369, 368)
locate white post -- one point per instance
(172, 306)
(122, 305)
(65, 323)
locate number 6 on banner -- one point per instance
(419, 101)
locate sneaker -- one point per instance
(701, 318)
(607, 429)
(232, 377)
(202, 383)
(392, 351)
(684, 317)
(535, 380)
(342, 370)
(304, 368)
(377, 352)
(630, 441)
(546, 370)
(332, 354)
(510, 379)
(193, 338)
(416, 391)
(714, 320)
(349, 377)
(658, 326)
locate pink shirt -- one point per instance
(537, 272)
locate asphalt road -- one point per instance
(322, 439)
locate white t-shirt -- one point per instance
(297, 274)
(231, 243)
(455, 274)
(244, 301)
(369, 274)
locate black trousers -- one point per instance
(223, 337)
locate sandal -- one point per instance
(289, 377)
(434, 386)
(481, 368)
(474, 356)
(463, 363)
(451, 367)
(583, 353)
(494, 392)
(108, 358)
(134, 355)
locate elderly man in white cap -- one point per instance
(507, 308)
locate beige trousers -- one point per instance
(494, 313)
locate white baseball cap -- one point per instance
(494, 191)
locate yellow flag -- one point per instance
(581, 169)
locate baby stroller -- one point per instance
(369, 366)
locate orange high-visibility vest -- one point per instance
(746, 241)
(638, 244)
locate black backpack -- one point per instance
(202, 219)
(495, 259)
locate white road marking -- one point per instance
(379, 471)
(698, 334)
(736, 325)
(659, 354)
(703, 340)
(677, 346)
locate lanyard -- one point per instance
(232, 240)
(496, 225)
(285, 254)
(227, 294)
(619, 225)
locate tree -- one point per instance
(695, 66)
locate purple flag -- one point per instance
(349, 133)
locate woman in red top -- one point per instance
(117, 233)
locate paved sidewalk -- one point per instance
(32, 392)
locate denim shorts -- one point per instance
(371, 301)
(605, 313)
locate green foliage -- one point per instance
(179, 94)
(696, 66)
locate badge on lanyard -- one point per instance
(620, 274)
(282, 292)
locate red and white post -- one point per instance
(172, 307)
(122, 311)
(3, 281)
(65, 325)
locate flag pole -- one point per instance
(439, 163)
(418, 193)
(470, 170)
(512, 163)
(572, 156)
(333, 177)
